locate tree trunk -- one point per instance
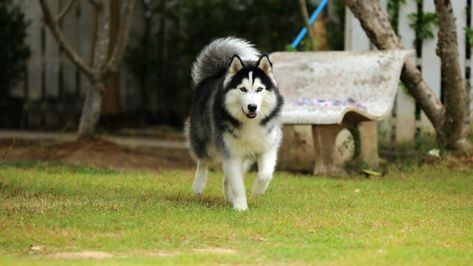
(91, 110)
(310, 31)
(94, 95)
(452, 80)
(320, 31)
(379, 30)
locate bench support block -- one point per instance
(326, 162)
(369, 143)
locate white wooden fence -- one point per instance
(53, 89)
(405, 125)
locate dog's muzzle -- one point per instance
(252, 111)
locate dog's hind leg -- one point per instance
(266, 165)
(234, 186)
(200, 179)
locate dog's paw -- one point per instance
(259, 187)
(240, 208)
(198, 188)
(240, 205)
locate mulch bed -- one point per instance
(94, 153)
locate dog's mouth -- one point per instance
(250, 115)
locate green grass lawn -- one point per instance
(420, 215)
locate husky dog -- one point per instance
(234, 117)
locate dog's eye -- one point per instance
(259, 89)
(243, 89)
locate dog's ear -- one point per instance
(265, 65)
(235, 66)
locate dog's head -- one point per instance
(251, 89)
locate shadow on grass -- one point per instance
(207, 201)
(55, 165)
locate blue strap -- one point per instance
(312, 18)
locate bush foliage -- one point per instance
(13, 49)
(175, 31)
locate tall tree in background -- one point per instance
(305, 18)
(452, 80)
(447, 123)
(107, 54)
(317, 33)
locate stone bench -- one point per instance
(333, 91)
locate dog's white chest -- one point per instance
(249, 140)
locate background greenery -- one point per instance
(13, 49)
(175, 31)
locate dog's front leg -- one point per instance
(266, 165)
(234, 185)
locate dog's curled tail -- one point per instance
(215, 57)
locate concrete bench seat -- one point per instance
(336, 90)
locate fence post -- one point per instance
(430, 64)
(405, 103)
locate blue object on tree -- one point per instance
(312, 18)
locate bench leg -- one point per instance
(369, 143)
(326, 162)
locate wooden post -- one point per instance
(405, 103)
(111, 94)
(430, 65)
(355, 37)
(470, 89)
(35, 64)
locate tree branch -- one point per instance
(65, 46)
(64, 11)
(95, 32)
(377, 27)
(121, 41)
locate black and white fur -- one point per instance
(234, 117)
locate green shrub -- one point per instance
(13, 49)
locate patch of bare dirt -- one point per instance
(162, 253)
(94, 153)
(463, 162)
(82, 255)
(207, 250)
(215, 250)
(454, 162)
(90, 254)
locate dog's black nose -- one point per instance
(252, 107)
